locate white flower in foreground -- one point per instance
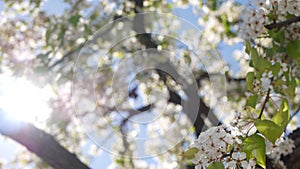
(254, 21)
(213, 146)
(283, 146)
(251, 164)
(238, 158)
(266, 80)
(293, 7)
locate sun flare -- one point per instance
(23, 101)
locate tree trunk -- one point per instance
(40, 143)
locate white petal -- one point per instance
(242, 156)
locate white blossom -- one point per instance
(213, 144)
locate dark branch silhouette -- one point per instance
(284, 23)
(40, 143)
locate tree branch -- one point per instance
(284, 23)
(40, 143)
(229, 78)
(133, 112)
(68, 54)
(203, 110)
(264, 104)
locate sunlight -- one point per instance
(23, 101)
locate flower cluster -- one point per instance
(282, 146)
(291, 7)
(254, 21)
(221, 144)
(266, 80)
(244, 121)
(293, 31)
(261, 13)
(239, 158)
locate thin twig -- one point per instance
(276, 106)
(134, 112)
(75, 6)
(284, 23)
(68, 54)
(252, 125)
(264, 104)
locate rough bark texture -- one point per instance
(292, 161)
(44, 146)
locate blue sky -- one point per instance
(56, 7)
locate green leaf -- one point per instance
(190, 153)
(75, 19)
(282, 118)
(120, 161)
(251, 101)
(61, 33)
(187, 58)
(258, 74)
(255, 147)
(270, 52)
(216, 165)
(40, 69)
(271, 16)
(275, 69)
(293, 49)
(48, 33)
(254, 56)
(291, 87)
(258, 62)
(200, 4)
(249, 80)
(269, 129)
(278, 36)
(87, 29)
(248, 48)
(94, 16)
(229, 148)
(288, 16)
(212, 4)
(278, 86)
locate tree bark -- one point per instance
(292, 161)
(40, 143)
